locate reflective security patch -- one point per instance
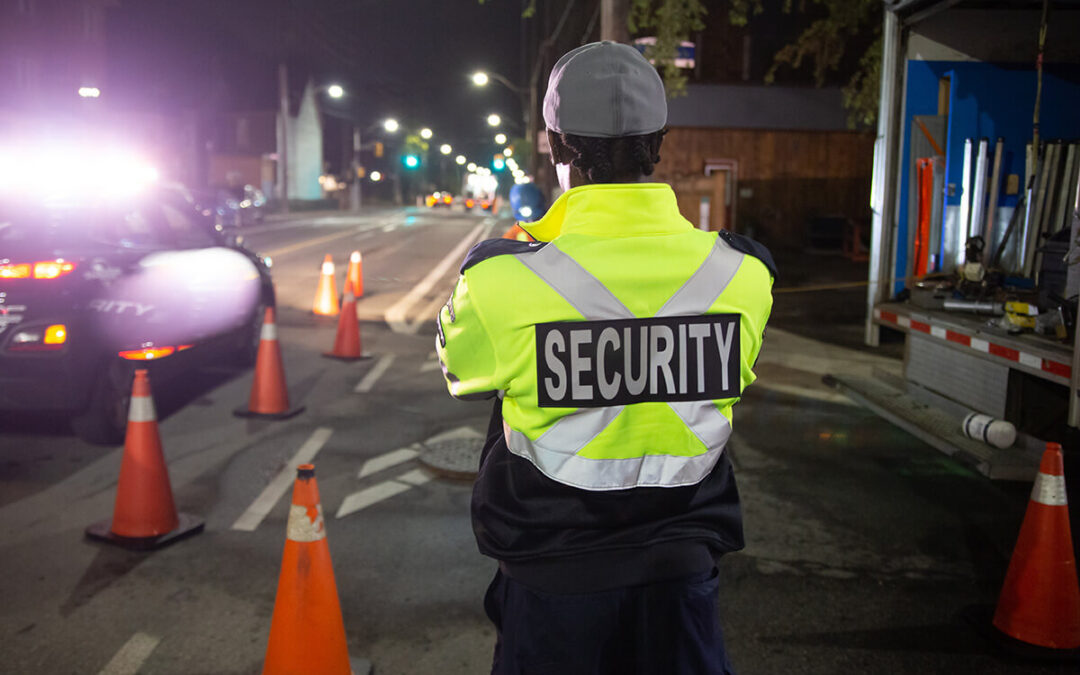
(591, 364)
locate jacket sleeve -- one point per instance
(464, 346)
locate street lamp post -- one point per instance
(355, 192)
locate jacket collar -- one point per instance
(611, 210)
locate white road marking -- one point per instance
(392, 458)
(396, 315)
(131, 656)
(430, 365)
(299, 246)
(377, 371)
(372, 495)
(415, 477)
(251, 518)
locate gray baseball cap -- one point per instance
(605, 89)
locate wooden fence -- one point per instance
(782, 179)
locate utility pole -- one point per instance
(354, 192)
(614, 20)
(283, 137)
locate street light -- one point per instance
(500, 139)
(426, 133)
(391, 125)
(335, 91)
(471, 167)
(460, 159)
(494, 120)
(445, 149)
(376, 176)
(480, 78)
(508, 152)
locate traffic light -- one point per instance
(411, 161)
(498, 163)
(378, 149)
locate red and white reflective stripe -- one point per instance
(141, 409)
(269, 331)
(1055, 368)
(304, 526)
(1049, 490)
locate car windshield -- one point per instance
(138, 223)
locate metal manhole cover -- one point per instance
(454, 454)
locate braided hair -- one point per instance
(624, 159)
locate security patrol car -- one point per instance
(93, 288)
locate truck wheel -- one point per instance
(104, 420)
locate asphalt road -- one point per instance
(863, 544)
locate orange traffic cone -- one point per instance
(347, 342)
(307, 633)
(1040, 600)
(326, 294)
(356, 273)
(269, 394)
(144, 516)
(517, 233)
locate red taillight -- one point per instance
(447, 199)
(147, 354)
(45, 269)
(469, 203)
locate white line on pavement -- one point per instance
(428, 366)
(251, 518)
(299, 246)
(396, 315)
(385, 490)
(377, 371)
(131, 656)
(372, 495)
(392, 458)
(428, 313)
(415, 477)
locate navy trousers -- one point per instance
(666, 628)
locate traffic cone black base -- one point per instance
(980, 617)
(292, 412)
(189, 525)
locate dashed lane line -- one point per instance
(251, 518)
(396, 315)
(378, 370)
(131, 656)
(385, 461)
(301, 245)
(358, 501)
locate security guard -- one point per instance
(615, 347)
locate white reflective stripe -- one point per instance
(574, 283)
(576, 430)
(938, 332)
(612, 474)
(328, 268)
(706, 421)
(702, 289)
(269, 331)
(303, 529)
(980, 345)
(1030, 361)
(141, 409)
(1049, 490)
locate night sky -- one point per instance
(404, 58)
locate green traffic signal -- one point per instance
(411, 161)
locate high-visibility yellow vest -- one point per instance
(619, 342)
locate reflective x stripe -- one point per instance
(574, 283)
(555, 452)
